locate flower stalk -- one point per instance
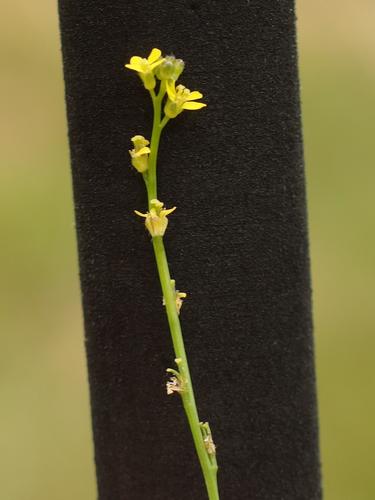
(144, 159)
(208, 463)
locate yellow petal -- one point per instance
(192, 106)
(136, 60)
(136, 63)
(194, 95)
(140, 138)
(168, 211)
(153, 65)
(154, 55)
(141, 214)
(171, 90)
(144, 151)
(132, 66)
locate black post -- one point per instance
(237, 244)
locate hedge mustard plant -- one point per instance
(163, 72)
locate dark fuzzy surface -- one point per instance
(237, 244)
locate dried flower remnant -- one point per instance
(179, 297)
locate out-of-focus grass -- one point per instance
(337, 50)
(338, 100)
(45, 436)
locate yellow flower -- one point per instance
(180, 98)
(156, 219)
(145, 67)
(139, 155)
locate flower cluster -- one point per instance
(166, 69)
(175, 99)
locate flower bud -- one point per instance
(139, 142)
(139, 155)
(170, 69)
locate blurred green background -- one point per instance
(45, 438)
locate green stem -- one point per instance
(208, 465)
(207, 461)
(157, 128)
(154, 146)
